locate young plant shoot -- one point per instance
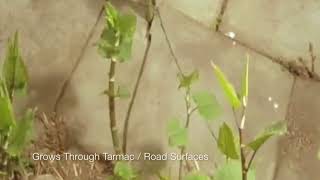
(240, 166)
(116, 45)
(232, 145)
(15, 132)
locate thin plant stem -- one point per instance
(168, 42)
(235, 118)
(251, 160)
(212, 133)
(242, 157)
(221, 13)
(112, 108)
(183, 149)
(193, 110)
(136, 87)
(244, 169)
(313, 57)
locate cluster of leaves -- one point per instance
(228, 143)
(116, 39)
(14, 134)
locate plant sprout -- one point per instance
(238, 166)
(15, 132)
(116, 45)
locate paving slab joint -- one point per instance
(219, 18)
(297, 68)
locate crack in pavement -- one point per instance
(80, 57)
(223, 8)
(278, 150)
(297, 68)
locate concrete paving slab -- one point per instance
(52, 34)
(205, 11)
(159, 100)
(279, 28)
(299, 149)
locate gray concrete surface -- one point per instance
(298, 151)
(279, 28)
(159, 100)
(53, 34)
(205, 12)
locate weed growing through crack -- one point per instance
(231, 144)
(116, 45)
(15, 132)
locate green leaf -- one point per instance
(14, 70)
(123, 92)
(226, 142)
(127, 26)
(21, 134)
(232, 171)
(227, 87)
(117, 37)
(107, 43)
(277, 128)
(162, 177)
(207, 105)
(187, 80)
(196, 176)
(6, 111)
(123, 170)
(178, 135)
(111, 16)
(245, 82)
(125, 50)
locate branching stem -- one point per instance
(168, 42)
(251, 160)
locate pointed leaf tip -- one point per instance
(227, 87)
(245, 83)
(276, 129)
